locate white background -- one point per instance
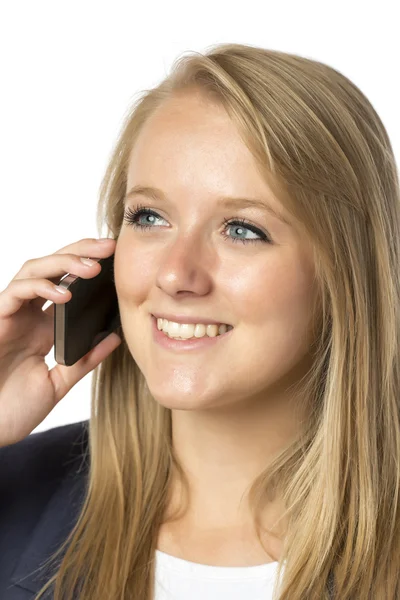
(69, 72)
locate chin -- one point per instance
(179, 404)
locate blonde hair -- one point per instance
(317, 135)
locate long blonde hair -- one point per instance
(320, 138)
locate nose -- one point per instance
(186, 267)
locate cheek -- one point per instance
(274, 298)
(265, 289)
(133, 271)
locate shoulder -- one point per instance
(41, 458)
(42, 484)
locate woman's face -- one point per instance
(188, 262)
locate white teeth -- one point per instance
(188, 330)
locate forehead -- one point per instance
(185, 124)
(193, 144)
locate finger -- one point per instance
(22, 290)
(71, 264)
(64, 378)
(56, 265)
(54, 268)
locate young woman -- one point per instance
(244, 439)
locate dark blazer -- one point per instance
(43, 479)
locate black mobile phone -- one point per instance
(89, 316)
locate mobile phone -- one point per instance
(89, 316)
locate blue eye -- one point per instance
(132, 216)
(242, 224)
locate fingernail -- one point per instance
(60, 289)
(87, 261)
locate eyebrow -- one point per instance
(228, 201)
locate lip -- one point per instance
(185, 319)
(192, 344)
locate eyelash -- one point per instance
(131, 216)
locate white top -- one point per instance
(178, 579)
